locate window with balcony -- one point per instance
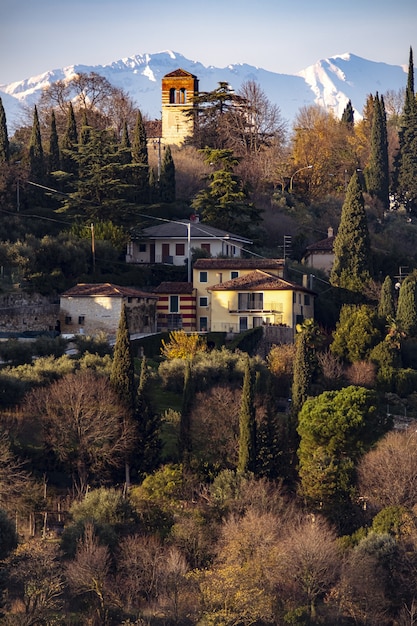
(250, 301)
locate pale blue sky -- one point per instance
(279, 35)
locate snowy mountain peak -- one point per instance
(330, 82)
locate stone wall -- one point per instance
(23, 312)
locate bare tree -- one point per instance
(89, 572)
(84, 423)
(388, 473)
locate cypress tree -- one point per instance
(407, 307)
(85, 132)
(352, 248)
(139, 143)
(247, 424)
(302, 374)
(377, 171)
(185, 422)
(69, 143)
(348, 115)
(125, 149)
(386, 308)
(4, 138)
(271, 440)
(167, 178)
(54, 154)
(406, 162)
(140, 159)
(148, 425)
(36, 156)
(122, 370)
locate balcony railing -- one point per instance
(257, 307)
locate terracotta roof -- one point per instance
(238, 263)
(174, 287)
(324, 245)
(179, 230)
(179, 72)
(90, 290)
(259, 280)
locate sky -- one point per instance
(282, 36)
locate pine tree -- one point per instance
(406, 162)
(348, 115)
(167, 178)
(247, 424)
(148, 426)
(122, 371)
(377, 171)
(386, 307)
(54, 154)
(36, 156)
(4, 138)
(407, 307)
(352, 249)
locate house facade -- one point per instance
(210, 272)
(91, 308)
(172, 243)
(258, 298)
(320, 255)
(176, 309)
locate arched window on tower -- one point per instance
(183, 95)
(172, 95)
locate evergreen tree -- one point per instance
(185, 422)
(69, 143)
(377, 172)
(148, 426)
(167, 178)
(54, 154)
(302, 374)
(36, 156)
(125, 149)
(140, 158)
(407, 307)
(225, 203)
(271, 440)
(352, 248)
(4, 138)
(247, 424)
(122, 370)
(407, 157)
(85, 132)
(386, 307)
(348, 115)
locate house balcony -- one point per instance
(266, 308)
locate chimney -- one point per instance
(330, 232)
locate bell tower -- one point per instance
(178, 91)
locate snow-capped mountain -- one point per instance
(331, 83)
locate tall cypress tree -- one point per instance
(69, 143)
(352, 248)
(386, 307)
(377, 171)
(167, 178)
(348, 117)
(122, 371)
(185, 422)
(125, 149)
(36, 155)
(4, 138)
(247, 424)
(54, 154)
(140, 158)
(407, 157)
(85, 132)
(407, 307)
(148, 426)
(302, 374)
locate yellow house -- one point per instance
(210, 272)
(258, 298)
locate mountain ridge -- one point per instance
(329, 82)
